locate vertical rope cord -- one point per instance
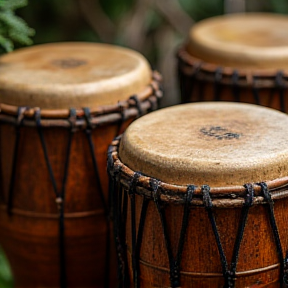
(255, 90)
(132, 188)
(88, 132)
(242, 224)
(20, 117)
(279, 83)
(138, 245)
(116, 199)
(175, 273)
(61, 201)
(208, 206)
(270, 203)
(123, 238)
(60, 196)
(154, 184)
(235, 85)
(138, 105)
(217, 83)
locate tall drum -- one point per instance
(200, 195)
(236, 57)
(61, 106)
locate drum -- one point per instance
(236, 57)
(61, 106)
(200, 195)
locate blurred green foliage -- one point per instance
(201, 9)
(6, 280)
(13, 29)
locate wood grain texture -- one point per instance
(258, 260)
(57, 77)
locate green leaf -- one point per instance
(13, 4)
(6, 43)
(15, 22)
(279, 6)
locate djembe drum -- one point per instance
(237, 57)
(200, 197)
(61, 106)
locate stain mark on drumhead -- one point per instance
(68, 63)
(219, 133)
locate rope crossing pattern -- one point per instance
(229, 272)
(60, 192)
(193, 76)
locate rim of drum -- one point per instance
(223, 197)
(98, 115)
(264, 78)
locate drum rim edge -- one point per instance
(222, 197)
(261, 78)
(153, 88)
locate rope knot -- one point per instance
(134, 182)
(249, 197)
(207, 201)
(154, 184)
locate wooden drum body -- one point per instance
(237, 57)
(183, 216)
(54, 224)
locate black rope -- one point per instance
(207, 201)
(235, 86)
(116, 199)
(280, 86)
(217, 83)
(88, 132)
(61, 201)
(132, 189)
(175, 264)
(175, 272)
(20, 117)
(44, 148)
(123, 239)
(138, 105)
(121, 121)
(60, 196)
(154, 184)
(153, 104)
(255, 90)
(140, 236)
(242, 224)
(270, 204)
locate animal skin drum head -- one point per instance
(250, 40)
(219, 144)
(71, 75)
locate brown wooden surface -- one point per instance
(201, 87)
(54, 78)
(30, 235)
(156, 153)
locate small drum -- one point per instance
(200, 195)
(236, 57)
(61, 106)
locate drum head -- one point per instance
(251, 40)
(71, 75)
(219, 144)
